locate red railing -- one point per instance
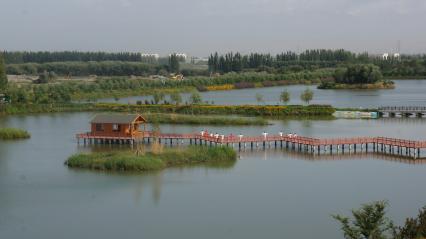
(229, 139)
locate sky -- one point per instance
(199, 27)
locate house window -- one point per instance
(116, 127)
(99, 127)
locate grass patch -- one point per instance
(128, 161)
(202, 120)
(12, 133)
(246, 110)
(337, 86)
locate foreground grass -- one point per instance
(12, 133)
(202, 120)
(128, 161)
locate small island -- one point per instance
(13, 133)
(151, 161)
(359, 76)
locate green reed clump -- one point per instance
(128, 161)
(12, 133)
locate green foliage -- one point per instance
(11, 109)
(123, 86)
(307, 95)
(195, 98)
(127, 161)
(285, 96)
(249, 110)
(309, 59)
(174, 63)
(61, 56)
(176, 98)
(414, 227)
(369, 222)
(3, 76)
(158, 96)
(12, 133)
(358, 74)
(77, 68)
(202, 120)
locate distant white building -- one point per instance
(150, 55)
(385, 56)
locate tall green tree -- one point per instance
(195, 98)
(285, 97)
(158, 96)
(174, 63)
(358, 74)
(369, 222)
(414, 227)
(307, 95)
(176, 98)
(3, 76)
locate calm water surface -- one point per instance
(266, 194)
(407, 92)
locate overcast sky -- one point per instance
(198, 27)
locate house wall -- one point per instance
(107, 130)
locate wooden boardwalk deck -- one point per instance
(402, 111)
(394, 146)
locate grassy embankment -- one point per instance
(266, 83)
(379, 85)
(128, 161)
(247, 110)
(13, 109)
(162, 118)
(12, 133)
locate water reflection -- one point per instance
(151, 181)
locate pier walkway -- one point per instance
(407, 111)
(392, 146)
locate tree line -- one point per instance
(103, 68)
(237, 62)
(406, 65)
(17, 57)
(3, 76)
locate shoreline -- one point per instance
(158, 159)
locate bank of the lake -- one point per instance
(374, 86)
(161, 118)
(246, 110)
(13, 133)
(150, 161)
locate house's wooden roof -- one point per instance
(117, 118)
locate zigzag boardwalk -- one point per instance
(392, 146)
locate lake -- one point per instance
(406, 93)
(266, 194)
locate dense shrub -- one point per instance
(358, 74)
